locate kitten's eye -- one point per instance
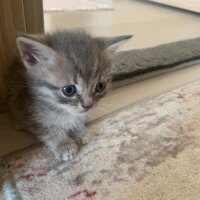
(69, 90)
(100, 86)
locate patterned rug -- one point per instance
(125, 147)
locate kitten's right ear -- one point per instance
(33, 52)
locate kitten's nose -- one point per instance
(87, 105)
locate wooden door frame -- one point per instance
(15, 16)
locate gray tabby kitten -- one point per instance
(53, 83)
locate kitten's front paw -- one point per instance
(67, 153)
(83, 139)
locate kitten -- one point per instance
(56, 79)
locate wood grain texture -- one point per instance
(33, 13)
(16, 16)
(7, 40)
(19, 18)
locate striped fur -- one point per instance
(34, 81)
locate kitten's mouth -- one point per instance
(83, 110)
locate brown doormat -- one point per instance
(126, 147)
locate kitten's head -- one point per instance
(69, 70)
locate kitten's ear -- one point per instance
(34, 53)
(113, 43)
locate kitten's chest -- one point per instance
(63, 120)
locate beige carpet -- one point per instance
(177, 178)
(149, 150)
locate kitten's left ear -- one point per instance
(113, 43)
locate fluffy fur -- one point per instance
(47, 65)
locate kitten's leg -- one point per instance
(81, 135)
(64, 151)
(59, 142)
